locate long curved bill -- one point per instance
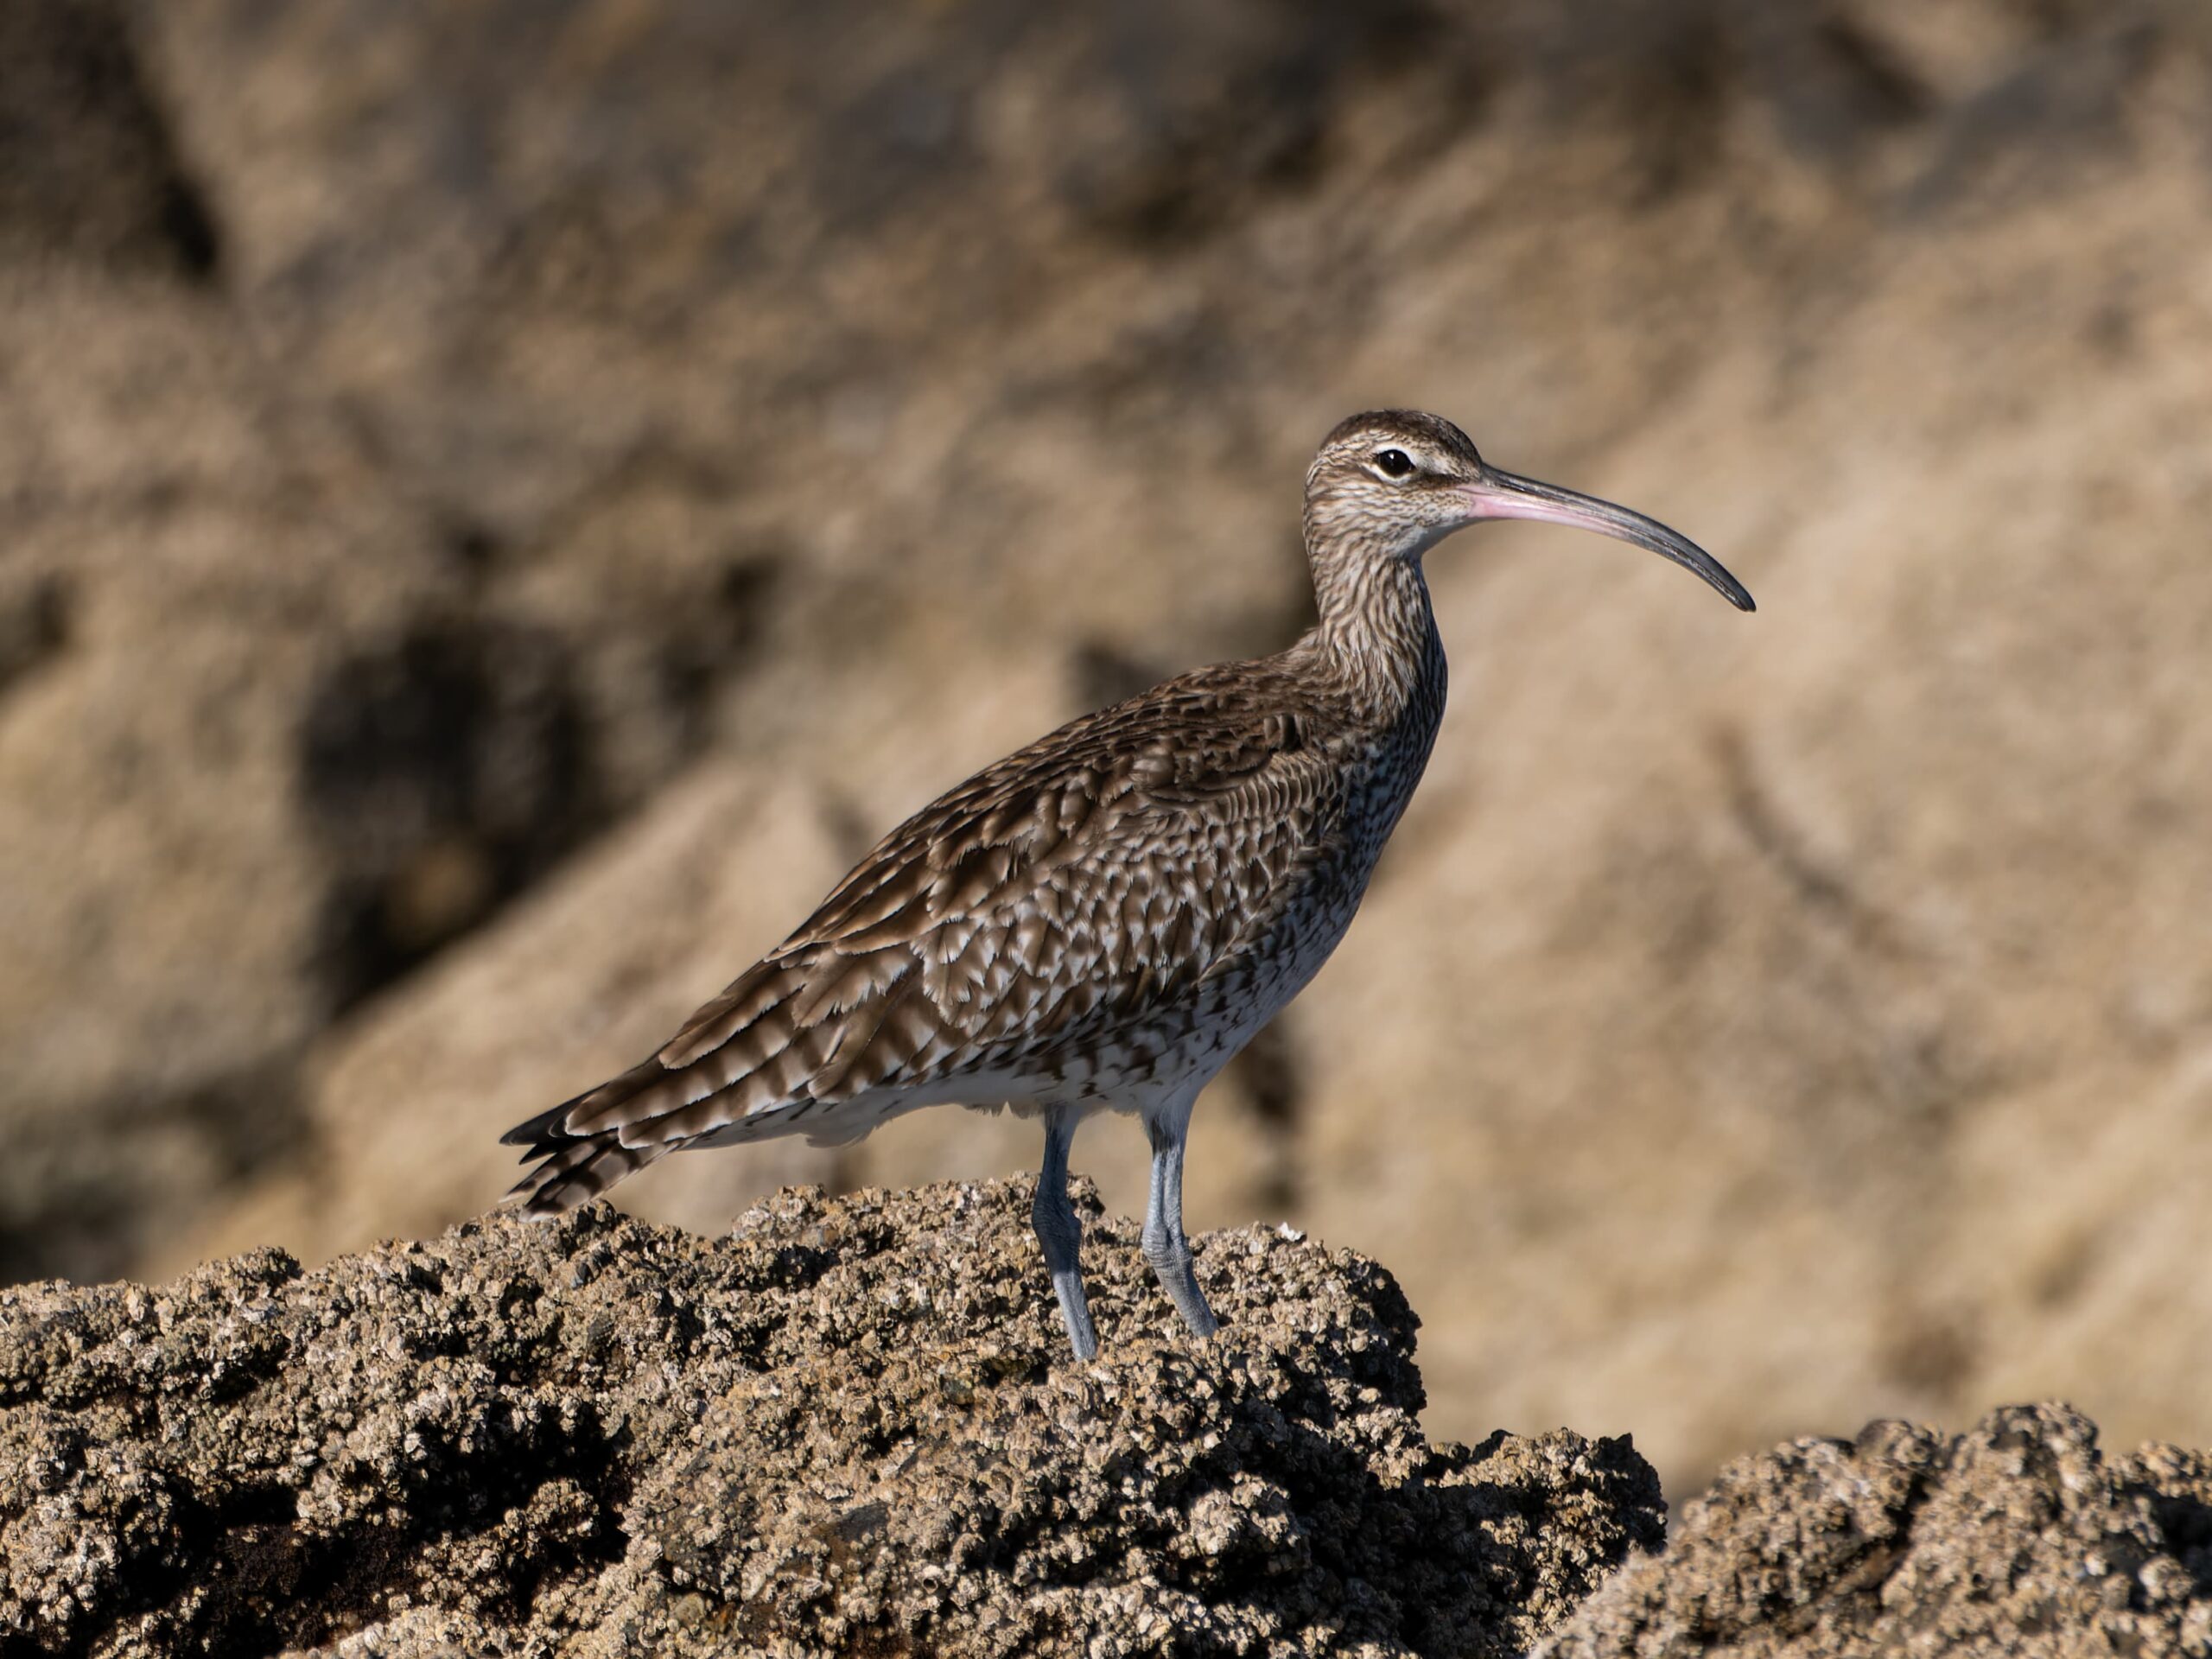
(1505, 495)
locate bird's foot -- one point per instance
(1075, 1313)
(1172, 1265)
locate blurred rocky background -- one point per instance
(499, 503)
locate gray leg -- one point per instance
(1061, 1234)
(1165, 1247)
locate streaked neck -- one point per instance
(1377, 634)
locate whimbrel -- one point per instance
(1103, 919)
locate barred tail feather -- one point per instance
(579, 1149)
(743, 1067)
(573, 1172)
(554, 1127)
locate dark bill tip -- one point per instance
(1506, 495)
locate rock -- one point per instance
(2019, 1539)
(850, 1425)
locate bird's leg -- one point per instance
(1165, 1247)
(1061, 1234)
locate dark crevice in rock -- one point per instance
(34, 625)
(711, 644)
(1101, 673)
(450, 766)
(1885, 88)
(2054, 110)
(284, 1584)
(64, 1214)
(445, 771)
(89, 167)
(1272, 1077)
(1197, 152)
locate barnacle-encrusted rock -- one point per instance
(2019, 1539)
(850, 1427)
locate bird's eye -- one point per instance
(1394, 463)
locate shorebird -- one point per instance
(1102, 919)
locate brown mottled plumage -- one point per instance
(1104, 917)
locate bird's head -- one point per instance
(1395, 482)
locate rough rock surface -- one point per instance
(2018, 1539)
(848, 1428)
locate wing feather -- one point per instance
(1071, 889)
